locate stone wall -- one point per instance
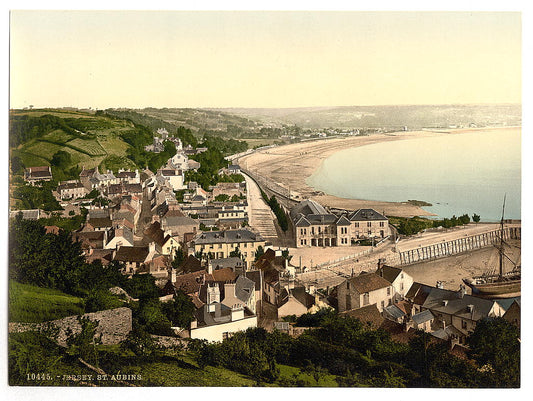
(114, 325)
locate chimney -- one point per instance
(151, 247)
(237, 312)
(470, 309)
(213, 296)
(229, 289)
(444, 302)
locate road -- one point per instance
(260, 216)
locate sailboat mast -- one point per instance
(501, 238)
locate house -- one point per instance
(128, 177)
(367, 223)
(222, 244)
(85, 177)
(422, 321)
(400, 280)
(372, 319)
(234, 169)
(34, 175)
(229, 188)
(191, 264)
(289, 305)
(512, 313)
(72, 189)
(175, 177)
(215, 320)
(119, 237)
(273, 268)
(297, 301)
(104, 256)
(90, 239)
(178, 226)
(98, 224)
(133, 257)
(455, 308)
(189, 283)
(364, 289)
(234, 263)
(394, 313)
(315, 226)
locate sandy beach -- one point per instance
(291, 165)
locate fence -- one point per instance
(457, 246)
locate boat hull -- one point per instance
(503, 289)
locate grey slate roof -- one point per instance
(447, 333)
(366, 215)
(422, 317)
(244, 288)
(505, 303)
(394, 311)
(302, 222)
(457, 306)
(343, 221)
(231, 262)
(228, 236)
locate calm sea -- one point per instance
(456, 173)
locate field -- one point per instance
(99, 144)
(32, 304)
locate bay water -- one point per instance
(457, 173)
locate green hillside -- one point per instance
(32, 304)
(91, 140)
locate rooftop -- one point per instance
(368, 282)
(228, 236)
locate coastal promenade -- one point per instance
(467, 241)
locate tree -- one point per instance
(61, 159)
(101, 299)
(139, 341)
(83, 344)
(496, 342)
(221, 198)
(17, 166)
(150, 315)
(259, 252)
(236, 253)
(179, 258)
(476, 218)
(142, 286)
(180, 311)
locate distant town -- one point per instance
(243, 274)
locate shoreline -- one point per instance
(291, 165)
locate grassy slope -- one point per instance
(106, 149)
(32, 304)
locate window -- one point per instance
(366, 298)
(382, 224)
(348, 302)
(463, 324)
(369, 224)
(357, 225)
(388, 290)
(382, 304)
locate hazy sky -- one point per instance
(262, 59)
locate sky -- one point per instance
(137, 59)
